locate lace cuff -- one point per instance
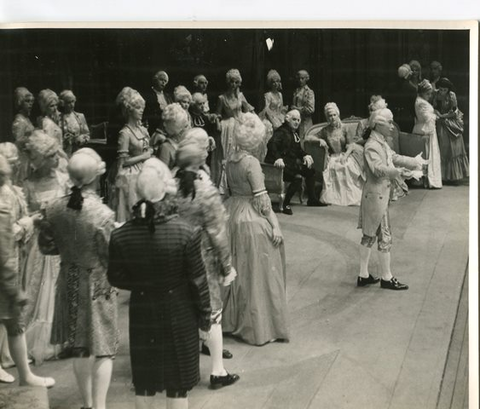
(261, 203)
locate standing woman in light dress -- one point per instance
(425, 125)
(200, 204)
(304, 102)
(133, 150)
(73, 124)
(256, 302)
(44, 185)
(274, 110)
(22, 128)
(78, 228)
(230, 106)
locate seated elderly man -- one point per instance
(285, 151)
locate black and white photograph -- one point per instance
(238, 216)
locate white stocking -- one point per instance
(144, 402)
(102, 374)
(215, 344)
(177, 403)
(82, 368)
(365, 253)
(385, 266)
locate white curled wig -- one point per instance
(249, 132)
(180, 92)
(45, 98)
(233, 74)
(161, 74)
(380, 116)
(19, 95)
(155, 181)
(85, 166)
(66, 95)
(273, 75)
(303, 72)
(193, 148)
(175, 119)
(41, 144)
(376, 102)
(198, 78)
(331, 106)
(10, 151)
(129, 99)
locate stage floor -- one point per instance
(359, 348)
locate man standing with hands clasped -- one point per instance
(285, 151)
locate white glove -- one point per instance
(308, 161)
(279, 163)
(323, 144)
(228, 279)
(211, 144)
(204, 335)
(420, 161)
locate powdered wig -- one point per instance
(331, 107)
(129, 99)
(404, 71)
(249, 132)
(175, 119)
(199, 98)
(180, 93)
(5, 168)
(155, 181)
(19, 95)
(193, 148)
(233, 74)
(304, 73)
(290, 113)
(436, 64)
(272, 76)
(380, 116)
(161, 74)
(198, 78)
(85, 166)
(41, 144)
(376, 102)
(424, 86)
(415, 64)
(9, 151)
(66, 95)
(45, 98)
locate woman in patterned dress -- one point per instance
(454, 159)
(73, 124)
(200, 204)
(133, 150)
(230, 106)
(44, 184)
(22, 128)
(78, 228)
(256, 302)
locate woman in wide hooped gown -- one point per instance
(78, 227)
(22, 128)
(454, 159)
(425, 125)
(230, 106)
(44, 184)
(256, 302)
(133, 149)
(344, 176)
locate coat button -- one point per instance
(381, 197)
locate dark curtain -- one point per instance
(345, 65)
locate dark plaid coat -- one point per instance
(169, 301)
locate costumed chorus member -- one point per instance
(73, 124)
(158, 257)
(78, 228)
(256, 302)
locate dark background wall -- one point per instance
(345, 65)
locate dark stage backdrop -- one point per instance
(345, 65)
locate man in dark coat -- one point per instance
(285, 151)
(155, 102)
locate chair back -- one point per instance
(273, 182)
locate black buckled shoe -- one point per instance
(363, 281)
(217, 382)
(287, 210)
(226, 354)
(393, 284)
